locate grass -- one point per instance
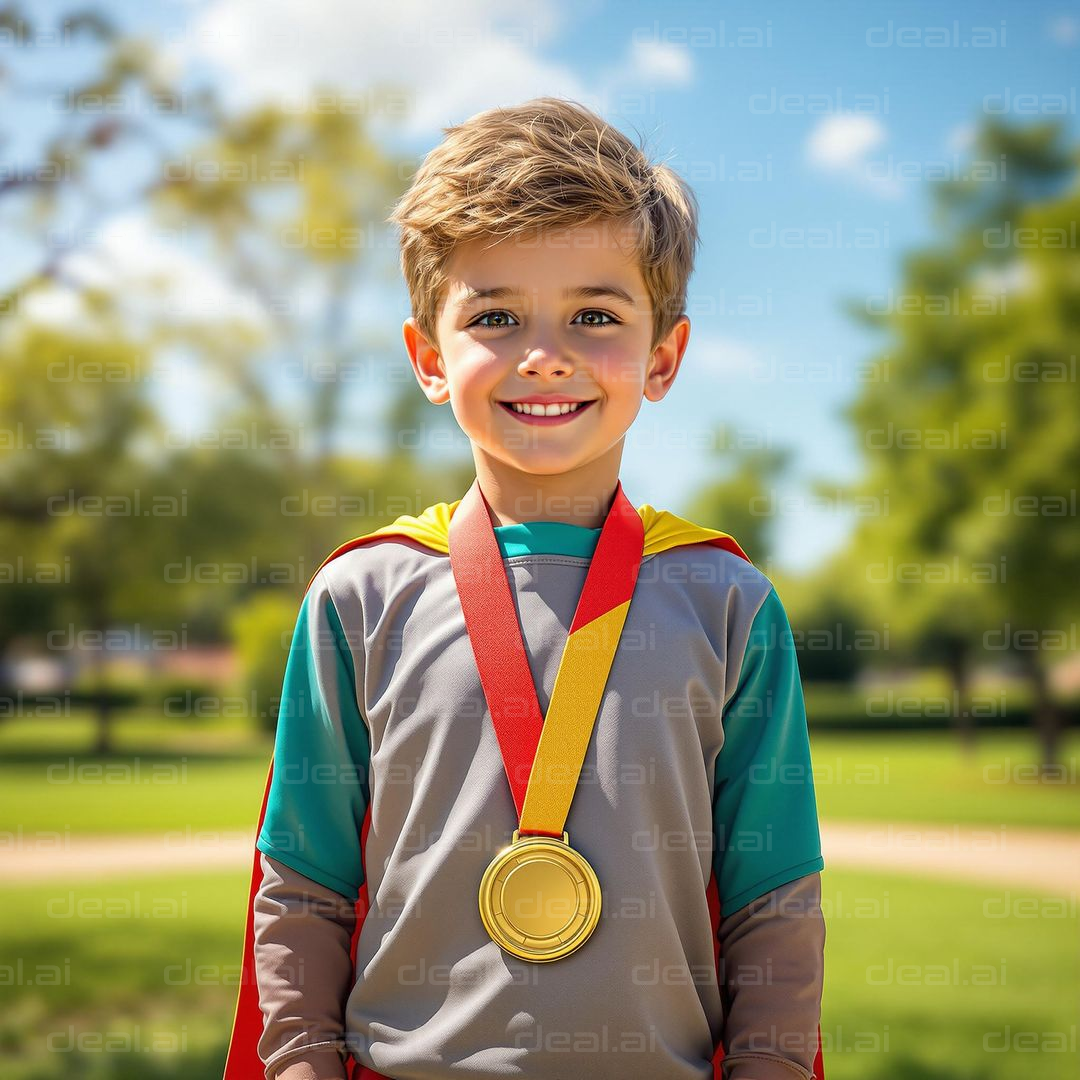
(135, 978)
(127, 978)
(933, 981)
(169, 775)
(164, 775)
(923, 980)
(138, 794)
(919, 776)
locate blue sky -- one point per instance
(806, 131)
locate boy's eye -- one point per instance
(479, 320)
(595, 311)
(489, 315)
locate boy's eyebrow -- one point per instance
(505, 292)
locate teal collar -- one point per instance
(546, 538)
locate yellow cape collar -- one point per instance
(431, 527)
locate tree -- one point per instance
(742, 501)
(964, 415)
(286, 206)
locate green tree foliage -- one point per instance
(288, 208)
(969, 424)
(741, 501)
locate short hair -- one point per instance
(547, 164)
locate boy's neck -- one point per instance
(582, 497)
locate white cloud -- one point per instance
(961, 138)
(842, 140)
(54, 305)
(1065, 30)
(1015, 276)
(840, 144)
(724, 356)
(448, 63)
(154, 277)
(662, 60)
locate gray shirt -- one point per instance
(389, 798)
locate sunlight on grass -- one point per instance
(933, 980)
(929, 980)
(919, 776)
(210, 776)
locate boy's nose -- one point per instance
(545, 360)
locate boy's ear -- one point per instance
(426, 363)
(666, 358)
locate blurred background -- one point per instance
(203, 391)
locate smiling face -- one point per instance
(543, 353)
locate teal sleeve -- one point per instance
(319, 787)
(765, 823)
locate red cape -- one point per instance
(663, 530)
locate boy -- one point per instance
(541, 801)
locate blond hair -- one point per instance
(547, 164)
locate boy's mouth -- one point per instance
(555, 413)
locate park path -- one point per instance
(1042, 860)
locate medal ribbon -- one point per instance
(550, 752)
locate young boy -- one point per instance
(541, 801)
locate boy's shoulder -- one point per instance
(407, 539)
(677, 552)
(703, 554)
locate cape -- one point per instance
(431, 528)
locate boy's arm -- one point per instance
(772, 971)
(303, 933)
(305, 1070)
(767, 858)
(310, 845)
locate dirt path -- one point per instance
(1042, 860)
(86, 858)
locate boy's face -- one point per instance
(571, 322)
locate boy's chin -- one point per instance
(540, 465)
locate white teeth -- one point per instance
(546, 410)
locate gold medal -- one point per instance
(539, 898)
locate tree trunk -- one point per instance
(103, 705)
(956, 663)
(103, 711)
(1046, 716)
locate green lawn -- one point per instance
(932, 981)
(148, 967)
(164, 775)
(923, 980)
(918, 776)
(135, 979)
(173, 775)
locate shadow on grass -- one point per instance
(128, 757)
(202, 1065)
(906, 1067)
(209, 1065)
